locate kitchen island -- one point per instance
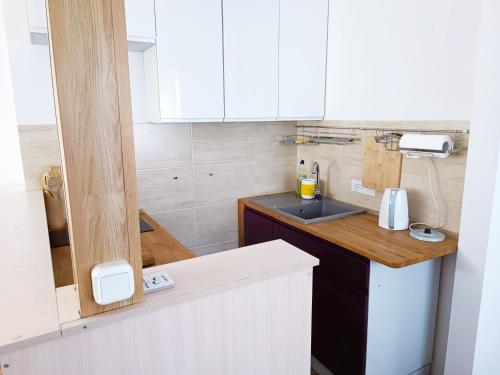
(375, 291)
(194, 328)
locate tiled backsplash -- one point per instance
(190, 175)
(341, 164)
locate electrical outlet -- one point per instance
(358, 187)
(157, 281)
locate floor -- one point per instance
(313, 372)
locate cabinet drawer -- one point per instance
(258, 228)
(292, 236)
(350, 268)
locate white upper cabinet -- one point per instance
(302, 58)
(184, 71)
(37, 16)
(251, 30)
(140, 19)
(223, 60)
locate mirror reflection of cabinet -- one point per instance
(139, 15)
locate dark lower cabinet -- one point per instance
(351, 268)
(338, 324)
(258, 228)
(340, 294)
(292, 236)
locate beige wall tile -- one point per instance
(223, 183)
(37, 159)
(451, 169)
(161, 190)
(40, 150)
(215, 248)
(179, 223)
(162, 145)
(267, 140)
(275, 176)
(223, 142)
(446, 191)
(223, 130)
(269, 149)
(39, 156)
(29, 134)
(274, 130)
(223, 150)
(216, 224)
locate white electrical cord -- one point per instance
(433, 199)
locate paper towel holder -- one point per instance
(426, 145)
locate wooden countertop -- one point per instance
(362, 235)
(158, 247)
(164, 247)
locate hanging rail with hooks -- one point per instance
(393, 130)
(344, 135)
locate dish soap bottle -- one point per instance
(301, 174)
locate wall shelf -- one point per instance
(317, 134)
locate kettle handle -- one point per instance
(392, 207)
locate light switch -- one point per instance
(112, 282)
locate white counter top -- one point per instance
(30, 313)
(28, 310)
(198, 277)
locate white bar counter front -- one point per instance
(242, 311)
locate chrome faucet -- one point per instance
(315, 170)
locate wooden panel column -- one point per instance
(88, 49)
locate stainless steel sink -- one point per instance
(307, 211)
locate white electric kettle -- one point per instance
(394, 210)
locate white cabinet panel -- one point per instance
(302, 54)
(189, 61)
(251, 30)
(37, 16)
(139, 15)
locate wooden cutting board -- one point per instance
(381, 168)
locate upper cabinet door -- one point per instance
(251, 31)
(37, 16)
(140, 17)
(302, 56)
(189, 60)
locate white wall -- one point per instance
(31, 74)
(488, 333)
(477, 219)
(401, 60)
(392, 60)
(11, 168)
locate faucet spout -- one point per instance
(315, 170)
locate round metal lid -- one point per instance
(428, 235)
